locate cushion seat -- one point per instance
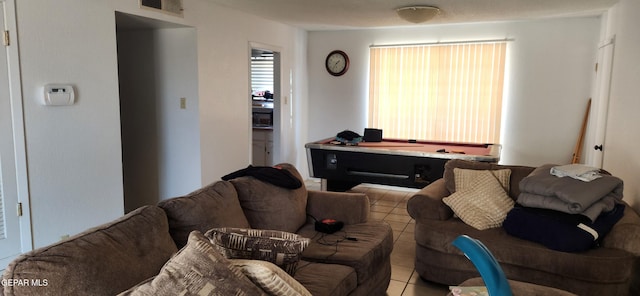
(326, 279)
(366, 254)
(605, 264)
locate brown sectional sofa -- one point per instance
(111, 258)
(607, 270)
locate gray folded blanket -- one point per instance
(542, 190)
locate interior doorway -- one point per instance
(265, 90)
(159, 116)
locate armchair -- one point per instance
(606, 270)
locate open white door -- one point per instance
(595, 149)
(15, 233)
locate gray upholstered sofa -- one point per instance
(132, 250)
(607, 270)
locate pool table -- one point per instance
(406, 163)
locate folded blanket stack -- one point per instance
(566, 208)
(541, 189)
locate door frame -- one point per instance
(19, 141)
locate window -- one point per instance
(261, 72)
(438, 92)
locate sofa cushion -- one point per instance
(271, 278)
(198, 269)
(517, 173)
(366, 252)
(104, 260)
(215, 205)
(326, 279)
(521, 258)
(483, 203)
(281, 248)
(267, 206)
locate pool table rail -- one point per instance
(390, 162)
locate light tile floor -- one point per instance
(390, 204)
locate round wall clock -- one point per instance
(337, 63)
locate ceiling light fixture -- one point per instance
(417, 14)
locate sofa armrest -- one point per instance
(350, 208)
(427, 203)
(625, 235)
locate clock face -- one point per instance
(337, 63)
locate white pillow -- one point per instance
(483, 204)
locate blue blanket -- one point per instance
(560, 231)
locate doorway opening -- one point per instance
(159, 116)
(265, 104)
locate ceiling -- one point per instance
(314, 15)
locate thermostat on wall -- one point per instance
(59, 95)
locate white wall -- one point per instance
(223, 55)
(621, 156)
(549, 76)
(179, 131)
(74, 154)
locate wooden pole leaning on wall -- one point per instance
(577, 151)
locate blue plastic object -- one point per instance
(486, 264)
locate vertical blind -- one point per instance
(262, 72)
(438, 92)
